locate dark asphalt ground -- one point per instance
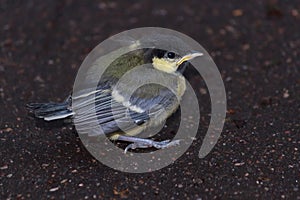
(256, 46)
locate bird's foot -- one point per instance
(147, 143)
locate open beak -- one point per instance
(188, 57)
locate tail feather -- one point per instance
(50, 111)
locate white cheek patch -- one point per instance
(164, 65)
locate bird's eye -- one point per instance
(171, 55)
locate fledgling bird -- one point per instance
(121, 112)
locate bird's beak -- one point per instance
(188, 57)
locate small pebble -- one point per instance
(54, 189)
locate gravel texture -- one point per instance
(256, 46)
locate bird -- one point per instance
(121, 112)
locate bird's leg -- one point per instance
(146, 143)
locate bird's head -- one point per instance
(170, 62)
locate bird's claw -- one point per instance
(151, 143)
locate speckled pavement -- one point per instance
(255, 45)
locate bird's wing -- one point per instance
(113, 115)
(102, 110)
